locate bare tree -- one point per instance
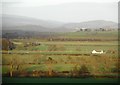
(15, 64)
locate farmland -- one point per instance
(63, 55)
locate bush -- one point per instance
(75, 72)
(80, 72)
(7, 45)
(84, 72)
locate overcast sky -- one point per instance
(63, 10)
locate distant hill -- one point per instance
(92, 24)
(24, 23)
(10, 22)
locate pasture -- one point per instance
(64, 55)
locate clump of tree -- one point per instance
(80, 71)
(84, 72)
(7, 45)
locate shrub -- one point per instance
(75, 72)
(80, 71)
(84, 72)
(7, 45)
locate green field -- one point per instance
(64, 55)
